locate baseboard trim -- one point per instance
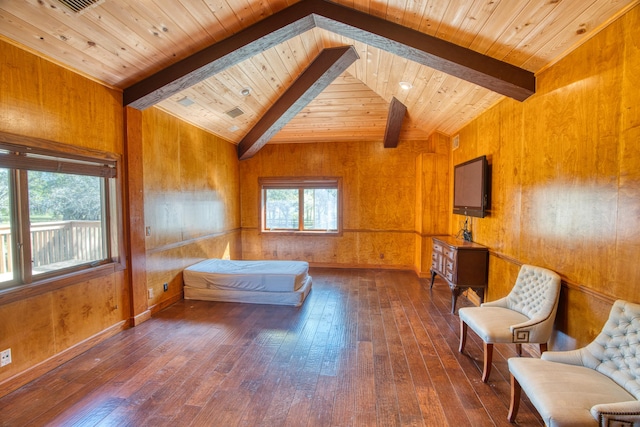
(36, 371)
(142, 317)
(164, 304)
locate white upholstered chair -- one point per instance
(597, 385)
(526, 315)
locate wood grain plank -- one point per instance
(119, 43)
(368, 347)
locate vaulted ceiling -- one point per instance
(124, 44)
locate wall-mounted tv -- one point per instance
(471, 187)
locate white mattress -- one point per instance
(295, 298)
(258, 282)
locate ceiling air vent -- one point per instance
(79, 6)
(234, 112)
(456, 141)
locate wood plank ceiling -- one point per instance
(121, 42)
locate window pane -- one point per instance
(67, 220)
(281, 209)
(321, 209)
(6, 240)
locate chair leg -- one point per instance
(463, 335)
(519, 349)
(543, 348)
(514, 405)
(488, 356)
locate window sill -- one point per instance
(302, 233)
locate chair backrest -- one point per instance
(616, 350)
(535, 293)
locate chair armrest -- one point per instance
(502, 302)
(608, 414)
(571, 357)
(538, 329)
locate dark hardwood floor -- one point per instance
(368, 348)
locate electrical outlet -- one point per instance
(150, 293)
(5, 357)
(165, 287)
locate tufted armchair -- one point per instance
(526, 315)
(596, 385)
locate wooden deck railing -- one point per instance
(56, 242)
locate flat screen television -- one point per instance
(471, 186)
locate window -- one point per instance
(301, 205)
(56, 213)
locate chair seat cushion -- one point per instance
(491, 323)
(564, 394)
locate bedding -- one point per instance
(257, 282)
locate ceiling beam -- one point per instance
(257, 38)
(441, 55)
(397, 111)
(294, 20)
(324, 69)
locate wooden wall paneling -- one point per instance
(627, 270)
(192, 202)
(385, 195)
(162, 196)
(19, 96)
(486, 231)
(435, 194)
(136, 217)
(224, 176)
(435, 209)
(83, 311)
(385, 249)
(91, 112)
(42, 100)
(194, 182)
(579, 320)
(565, 182)
(419, 252)
(378, 202)
(164, 267)
(502, 276)
(506, 182)
(28, 329)
(571, 186)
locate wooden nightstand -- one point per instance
(461, 264)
